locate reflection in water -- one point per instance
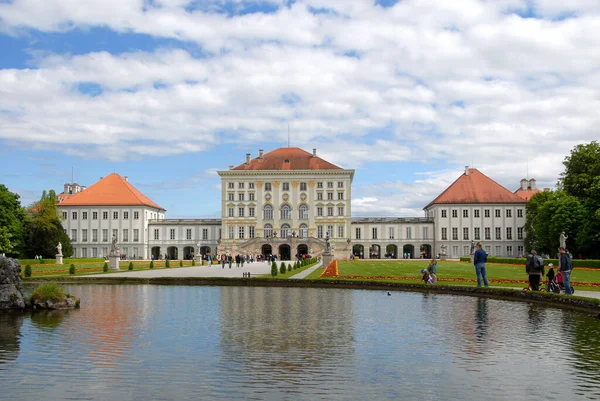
(184, 342)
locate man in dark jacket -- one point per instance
(479, 259)
(565, 267)
(534, 266)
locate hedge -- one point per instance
(594, 264)
(52, 261)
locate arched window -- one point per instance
(303, 212)
(284, 231)
(286, 212)
(268, 230)
(268, 212)
(303, 231)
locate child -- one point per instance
(426, 277)
(550, 276)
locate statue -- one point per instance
(59, 248)
(327, 244)
(198, 248)
(563, 240)
(443, 248)
(472, 247)
(114, 248)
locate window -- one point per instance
(286, 186)
(268, 230)
(136, 235)
(251, 196)
(330, 185)
(286, 212)
(267, 186)
(241, 185)
(241, 197)
(497, 212)
(330, 231)
(156, 236)
(125, 235)
(84, 252)
(476, 213)
(444, 234)
(84, 215)
(330, 211)
(241, 211)
(357, 233)
(486, 213)
(74, 215)
(466, 250)
(486, 231)
(302, 186)
(454, 213)
(125, 215)
(319, 231)
(508, 233)
(230, 185)
(340, 231)
(319, 195)
(115, 233)
(231, 232)
(498, 233)
(508, 213)
(115, 215)
(104, 215)
(172, 233)
(477, 233)
(319, 211)
(94, 252)
(205, 234)
(230, 196)
(303, 212)
(519, 212)
(319, 185)
(84, 235)
(509, 250)
(251, 232)
(284, 232)
(444, 213)
(340, 196)
(520, 250)
(268, 212)
(455, 234)
(251, 212)
(455, 251)
(329, 195)
(241, 232)
(64, 215)
(230, 212)
(303, 231)
(188, 233)
(340, 184)
(498, 250)
(408, 232)
(250, 185)
(425, 232)
(104, 235)
(391, 232)
(95, 235)
(465, 233)
(94, 215)
(136, 215)
(374, 232)
(519, 232)
(465, 213)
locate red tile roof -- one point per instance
(476, 187)
(288, 159)
(112, 190)
(526, 194)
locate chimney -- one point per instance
(247, 158)
(231, 167)
(314, 152)
(83, 187)
(260, 153)
(101, 177)
(532, 184)
(67, 189)
(524, 184)
(466, 170)
(75, 188)
(126, 178)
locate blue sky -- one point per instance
(406, 92)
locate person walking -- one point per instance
(534, 267)
(565, 267)
(479, 259)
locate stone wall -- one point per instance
(11, 296)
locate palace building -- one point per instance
(286, 202)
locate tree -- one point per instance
(273, 269)
(12, 219)
(44, 231)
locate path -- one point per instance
(305, 273)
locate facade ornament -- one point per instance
(295, 184)
(276, 184)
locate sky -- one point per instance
(407, 93)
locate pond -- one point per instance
(150, 342)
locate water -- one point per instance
(143, 342)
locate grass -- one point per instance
(288, 273)
(48, 292)
(86, 268)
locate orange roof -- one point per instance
(526, 194)
(288, 159)
(111, 190)
(476, 187)
(62, 197)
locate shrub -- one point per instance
(27, 271)
(72, 269)
(181, 263)
(152, 264)
(48, 292)
(167, 263)
(193, 262)
(105, 267)
(282, 268)
(290, 267)
(273, 269)
(130, 266)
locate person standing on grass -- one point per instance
(479, 259)
(565, 267)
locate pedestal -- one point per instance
(443, 257)
(327, 258)
(59, 259)
(113, 262)
(472, 258)
(199, 260)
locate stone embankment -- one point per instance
(11, 295)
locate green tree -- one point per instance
(6, 245)
(12, 220)
(282, 268)
(273, 269)
(44, 231)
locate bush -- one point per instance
(130, 267)
(105, 267)
(273, 269)
(181, 263)
(290, 267)
(27, 271)
(72, 269)
(152, 264)
(48, 292)
(282, 268)
(167, 265)
(193, 262)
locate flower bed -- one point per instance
(331, 270)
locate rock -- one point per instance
(11, 295)
(69, 302)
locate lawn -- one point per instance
(85, 268)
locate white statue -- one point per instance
(563, 240)
(59, 248)
(114, 247)
(198, 247)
